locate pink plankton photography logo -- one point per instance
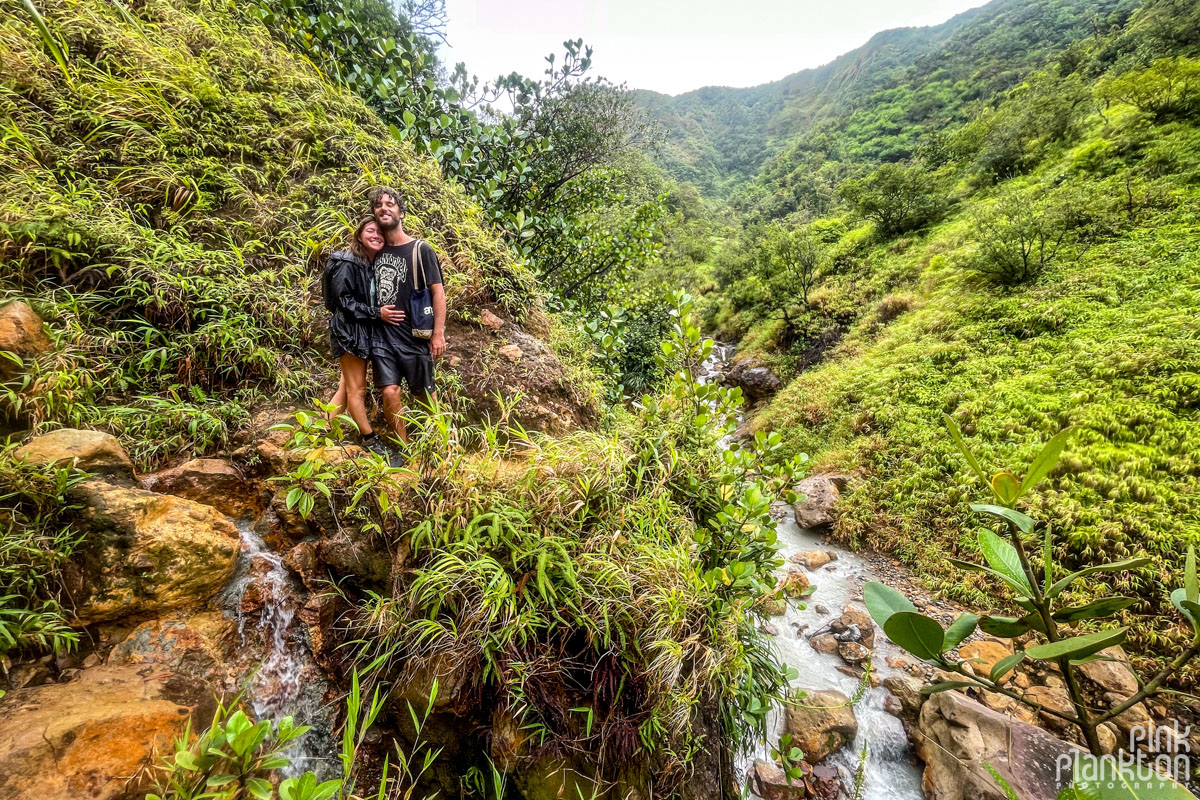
(1155, 755)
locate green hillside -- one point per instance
(1003, 229)
(875, 103)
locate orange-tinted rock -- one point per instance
(211, 481)
(89, 737)
(94, 451)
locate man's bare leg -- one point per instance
(393, 411)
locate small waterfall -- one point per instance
(263, 598)
(891, 772)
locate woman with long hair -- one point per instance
(351, 284)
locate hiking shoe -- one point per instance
(396, 456)
(378, 447)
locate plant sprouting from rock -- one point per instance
(1021, 557)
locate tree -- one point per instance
(897, 198)
(796, 259)
(1168, 86)
(1020, 234)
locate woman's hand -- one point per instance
(391, 315)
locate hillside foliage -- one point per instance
(1018, 252)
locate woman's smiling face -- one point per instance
(372, 239)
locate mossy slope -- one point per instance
(1106, 341)
(164, 201)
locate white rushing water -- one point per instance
(891, 772)
(288, 681)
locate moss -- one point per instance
(166, 204)
(1106, 341)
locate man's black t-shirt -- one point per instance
(394, 286)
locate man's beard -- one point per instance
(388, 226)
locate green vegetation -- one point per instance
(637, 557)
(1028, 568)
(165, 212)
(36, 542)
(1003, 228)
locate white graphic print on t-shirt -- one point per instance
(390, 271)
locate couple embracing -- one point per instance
(388, 308)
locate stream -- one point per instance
(891, 771)
(263, 598)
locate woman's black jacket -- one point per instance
(350, 281)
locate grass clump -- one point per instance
(165, 201)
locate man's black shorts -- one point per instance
(392, 367)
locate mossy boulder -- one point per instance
(145, 553)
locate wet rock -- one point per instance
(93, 451)
(453, 680)
(187, 644)
(821, 493)
(893, 706)
(89, 737)
(824, 643)
(794, 584)
(319, 615)
(22, 333)
(507, 740)
(820, 609)
(853, 652)
(1112, 674)
(355, 552)
(860, 621)
(212, 481)
(958, 736)
(511, 351)
(769, 629)
(812, 560)
(302, 560)
(758, 383)
(771, 783)
(821, 723)
(145, 553)
(983, 655)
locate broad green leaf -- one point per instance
(960, 629)
(259, 788)
(1105, 607)
(1004, 627)
(1045, 461)
(956, 435)
(1006, 665)
(1006, 486)
(883, 601)
(186, 759)
(1078, 646)
(1115, 566)
(916, 633)
(1003, 558)
(1179, 598)
(973, 567)
(1022, 521)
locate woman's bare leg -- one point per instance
(338, 401)
(354, 383)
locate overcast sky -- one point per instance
(675, 46)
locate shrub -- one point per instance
(1168, 86)
(1020, 234)
(897, 198)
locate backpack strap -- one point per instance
(418, 266)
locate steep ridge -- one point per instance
(720, 138)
